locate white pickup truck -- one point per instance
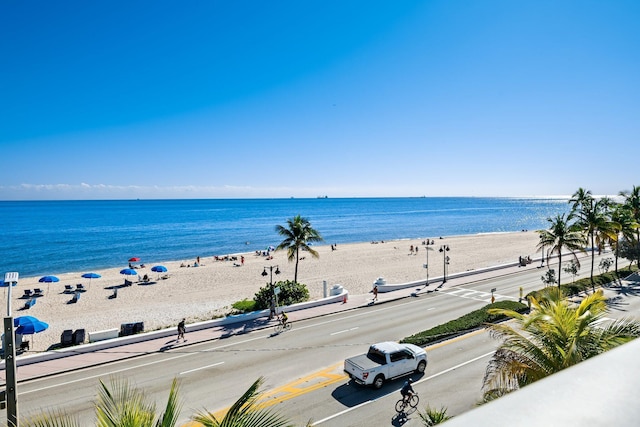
(385, 360)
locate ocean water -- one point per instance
(50, 237)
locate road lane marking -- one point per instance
(476, 295)
(201, 368)
(332, 375)
(387, 395)
(343, 331)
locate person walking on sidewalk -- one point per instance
(272, 308)
(375, 293)
(181, 331)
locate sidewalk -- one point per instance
(123, 348)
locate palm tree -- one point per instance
(593, 219)
(580, 198)
(245, 412)
(119, 405)
(124, 406)
(561, 235)
(632, 201)
(298, 234)
(554, 336)
(431, 417)
(627, 227)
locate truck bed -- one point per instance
(362, 362)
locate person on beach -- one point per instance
(375, 293)
(181, 330)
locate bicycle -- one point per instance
(402, 404)
(282, 326)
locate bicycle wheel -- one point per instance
(278, 328)
(413, 401)
(287, 327)
(400, 406)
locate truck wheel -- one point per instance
(421, 367)
(378, 382)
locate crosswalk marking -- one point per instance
(476, 295)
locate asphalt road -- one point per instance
(303, 367)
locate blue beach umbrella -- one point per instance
(29, 325)
(159, 269)
(91, 276)
(48, 280)
(4, 284)
(129, 272)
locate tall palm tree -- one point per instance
(245, 412)
(297, 235)
(593, 219)
(580, 198)
(632, 201)
(554, 336)
(560, 236)
(627, 227)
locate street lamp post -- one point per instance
(445, 260)
(11, 394)
(426, 266)
(271, 271)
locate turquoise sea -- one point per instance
(50, 237)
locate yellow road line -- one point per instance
(315, 381)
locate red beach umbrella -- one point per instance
(134, 259)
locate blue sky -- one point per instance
(212, 99)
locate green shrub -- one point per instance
(290, 293)
(244, 306)
(470, 321)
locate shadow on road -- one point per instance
(352, 394)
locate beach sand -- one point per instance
(207, 291)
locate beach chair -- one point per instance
(24, 346)
(37, 292)
(76, 297)
(30, 303)
(66, 338)
(27, 293)
(80, 287)
(68, 289)
(78, 336)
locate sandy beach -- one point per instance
(207, 291)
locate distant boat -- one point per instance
(323, 197)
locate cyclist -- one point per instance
(407, 390)
(283, 318)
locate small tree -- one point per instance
(605, 264)
(549, 277)
(629, 250)
(290, 293)
(572, 268)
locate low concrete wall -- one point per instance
(419, 283)
(103, 335)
